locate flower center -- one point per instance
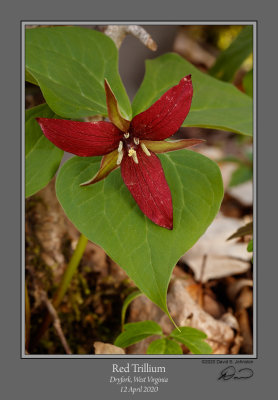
(130, 145)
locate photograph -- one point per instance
(139, 190)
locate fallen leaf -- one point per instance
(186, 312)
(222, 258)
(107, 348)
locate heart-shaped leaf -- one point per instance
(107, 215)
(164, 346)
(70, 65)
(134, 332)
(215, 104)
(42, 157)
(193, 339)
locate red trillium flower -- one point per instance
(131, 145)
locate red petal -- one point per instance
(166, 115)
(147, 184)
(84, 139)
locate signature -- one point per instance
(231, 373)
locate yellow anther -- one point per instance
(126, 135)
(132, 153)
(136, 140)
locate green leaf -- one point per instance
(247, 229)
(164, 346)
(132, 296)
(193, 339)
(42, 158)
(30, 78)
(136, 331)
(70, 65)
(107, 214)
(230, 158)
(250, 246)
(231, 59)
(215, 104)
(248, 83)
(242, 174)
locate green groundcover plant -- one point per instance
(143, 198)
(192, 338)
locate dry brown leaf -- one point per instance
(224, 258)
(107, 348)
(234, 287)
(186, 312)
(245, 331)
(245, 299)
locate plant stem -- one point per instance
(65, 282)
(70, 270)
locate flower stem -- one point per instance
(65, 282)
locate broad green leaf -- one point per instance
(193, 339)
(242, 174)
(30, 78)
(231, 59)
(42, 158)
(136, 331)
(248, 83)
(164, 346)
(70, 65)
(107, 215)
(215, 104)
(132, 296)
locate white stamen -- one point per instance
(134, 157)
(126, 135)
(136, 140)
(120, 157)
(132, 153)
(120, 148)
(145, 150)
